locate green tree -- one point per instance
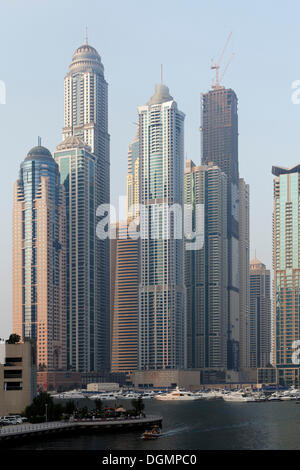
(43, 404)
(70, 407)
(83, 412)
(98, 404)
(13, 339)
(138, 405)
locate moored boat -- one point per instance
(177, 394)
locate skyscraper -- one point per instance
(220, 146)
(206, 269)
(162, 304)
(260, 315)
(87, 327)
(286, 266)
(39, 259)
(124, 300)
(244, 246)
(87, 175)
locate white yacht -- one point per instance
(70, 395)
(104, 396)
(211, 395)
(238, 396)
(147, 395)
(131, 396)
(177, 394)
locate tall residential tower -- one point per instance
(220, 146)
(162, 300)
(206, 269)
(84, 163)
(286, 275)
(39, 259)
(260, 315)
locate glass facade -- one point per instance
(39, 257)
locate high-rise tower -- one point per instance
(39, 259)
(206, 269)
(244, 281)
(220, 146)
(286, 279)
(124, 300)
(162, 308)
(86, 119)
(87, 321)
(260, 315)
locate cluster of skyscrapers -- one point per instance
(144, 302)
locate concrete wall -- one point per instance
(15, 401)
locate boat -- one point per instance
(238, 397)
(210, 395)
(104, 396)
(131, 396)
(70, 395)
(177, 394)
(155, 433)
(147, 395)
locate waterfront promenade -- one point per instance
(22, 431)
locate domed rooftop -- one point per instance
(84, 58)
(161, 95)
(39, 153)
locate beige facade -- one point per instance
(103, 387)
(17, 377)
(124, 301)
(188, 379)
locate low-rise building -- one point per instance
(103, 387)
(17, 376)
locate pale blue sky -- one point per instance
(38, 38)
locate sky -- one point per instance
(133, 37)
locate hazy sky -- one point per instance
(133, 37)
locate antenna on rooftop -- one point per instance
(39, 141)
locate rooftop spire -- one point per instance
(86, 36)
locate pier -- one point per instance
(28, 430)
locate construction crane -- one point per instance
(226, 66)
(216, 65)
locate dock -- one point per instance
(28, 430)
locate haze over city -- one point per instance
(133, 39)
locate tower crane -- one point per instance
(216, 65)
